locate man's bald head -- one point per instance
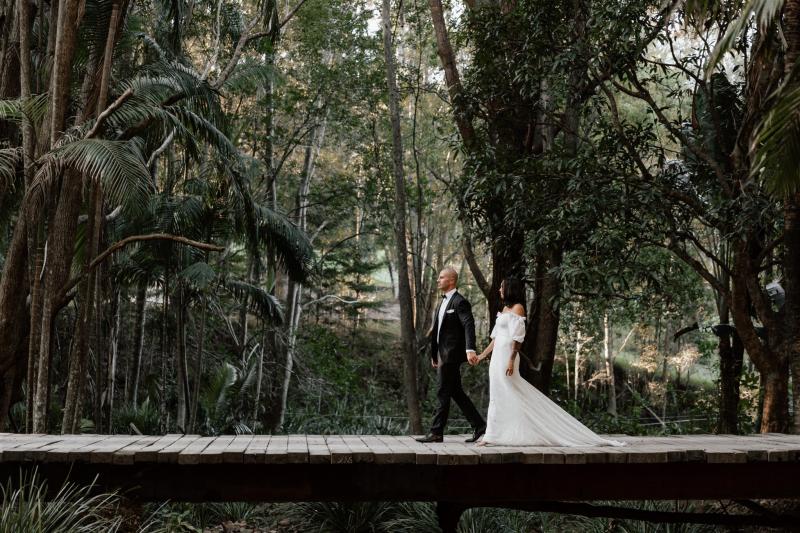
(448, 279)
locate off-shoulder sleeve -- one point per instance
(517, 327)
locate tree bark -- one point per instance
(791, 241)
(198, 369)
(138, 344)
(608, 358)
(408, 339)
(113, 351)
(183, 399)
(543, 319)
(771, 358)
(447, 57)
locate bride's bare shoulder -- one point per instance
(517, 309)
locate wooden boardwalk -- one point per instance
(388, 468)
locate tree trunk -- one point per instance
(791, 240)
(448, 59)
(731, 356)
(791, 271)
(183, 399)
(198, 369)
(770, 359)
(543, 322)
(138, 342)
(608, 358)
(113, 350)
(162, 393)
(577, 373)
(408, 338)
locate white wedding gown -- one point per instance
(520, 415)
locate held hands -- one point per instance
(472, 358)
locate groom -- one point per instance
(452, 343)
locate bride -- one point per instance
(519, 414)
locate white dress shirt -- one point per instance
(442, 310)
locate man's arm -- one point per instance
(434, 344)
(464, 310)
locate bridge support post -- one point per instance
(449, 514)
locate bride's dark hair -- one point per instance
(513, 292)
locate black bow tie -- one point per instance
(444, 296)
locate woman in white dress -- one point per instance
(519, 414)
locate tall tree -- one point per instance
(407, 333)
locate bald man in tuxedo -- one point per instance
(452, 344)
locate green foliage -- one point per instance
(27, 507)
(143, 417)
(338, 517)
(119, 165)
(194, 518)
(215, 396)
(777, 143)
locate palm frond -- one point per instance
(260, 302)
(214, 393)
(775, 148)
(249, 77)
(10, 159)
(764, 12)
(118, 164)
(288, 243)
(200, 275)
(205, 129)
(34, 108)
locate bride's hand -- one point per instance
(510, 369)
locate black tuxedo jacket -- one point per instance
(457, 334)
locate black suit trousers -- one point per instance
(449, 382)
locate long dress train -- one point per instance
(519, 414)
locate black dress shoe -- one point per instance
(475, 436)
(430, 437)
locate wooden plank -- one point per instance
(149, 454)
(61, 452)
(234, 452)
(574, 456)
(423, 454)
(126, 455)
(499, 454)
(318, 452)
(256, 449)
(453, 452)
(548, 455)
(340, 451)
(361, 452)
(297, 449)
(29, 446)
(190, 455)
(212, 454)
(103, 451)
(385, 451)
(277, 450)
(649, 453)
(170, 453)
(392, 449)
(9, 443)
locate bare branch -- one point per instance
(469, 255)
(291, 14)
(110, 109)
(138, 238)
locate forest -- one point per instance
(228, 217)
